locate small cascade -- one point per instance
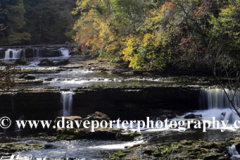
(67, 99)
(37, 53)
(13, 53)
(16, 129)
(216, 104)
(217, 99)
(233, 151)
(24, 53)
(64, 52)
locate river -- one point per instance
(68, 84)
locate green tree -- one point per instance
(14, 20)
(2, 11)
(48, 21)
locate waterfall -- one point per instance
(64, 52)
(13, 53)
(67, 102)
(24, 54)
(217, 99)
(215, 103)
(37, 53)
(233, 151)
(16, 129)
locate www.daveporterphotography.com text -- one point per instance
(137, 125)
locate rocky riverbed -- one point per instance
(56, 83)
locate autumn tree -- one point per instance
(7, 77)
(104, 25)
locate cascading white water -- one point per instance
(67, 103)
(64, 52)
(37, 53)
(24, 53)
(16, 53)
(215, 103)
(233, 151)
(217, 99)
(16, 129)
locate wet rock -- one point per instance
(64, 122)
(126, 136)
(22, 76)
(21, 61)
(191, 116)
(36, 71)
(148, 151)
(62, 62)
(7, 149)
(48, 79)
(97, 116)
(175, 150)
(46, 62)
(26, 76)
(29, 77)
(116, 71)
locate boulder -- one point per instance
(191, 116)
(46, 62)
(26, 76)
(22, 75)
(48, 79)
(29, 77)
(62, 62)
(97, 116)
(67, 119)
(21, 61)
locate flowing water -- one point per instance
(64, 52)
(74, 149)
(215, 103)
(13, 53)
(212, 103)
(37, 53)
(67, 102)
(233, 151)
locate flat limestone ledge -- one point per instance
(42, 71)
(35, 81)
(106, 134)
(184, 150)
(92, 88)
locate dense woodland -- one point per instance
(36, 21)
(150, 34)
(143, 34)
